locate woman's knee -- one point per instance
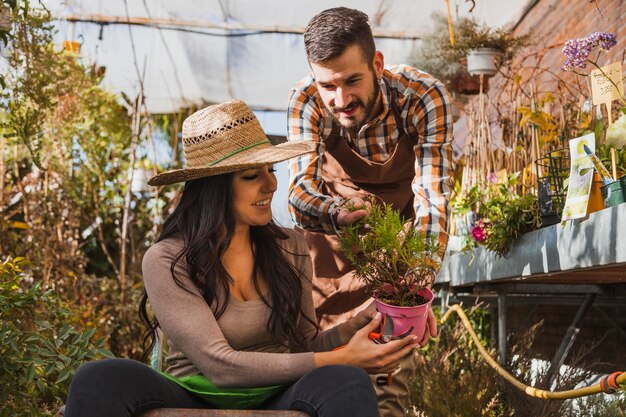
(336, 390)
(344, 374)
(104, 373)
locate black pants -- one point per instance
(123, 387)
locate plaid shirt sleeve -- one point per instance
(431, 122)
(310, 208)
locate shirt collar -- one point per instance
(385, 93)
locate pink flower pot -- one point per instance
(405, 317)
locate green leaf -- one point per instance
(63, 375)
(30, 373)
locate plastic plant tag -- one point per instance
(580, 177)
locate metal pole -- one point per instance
(568, 339)
(502, 327)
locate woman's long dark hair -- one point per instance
(204, 220)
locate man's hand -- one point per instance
(431, 328)
(352, 211)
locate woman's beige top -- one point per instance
(235, 351)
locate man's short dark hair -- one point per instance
(332, 31)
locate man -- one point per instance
(378, 132)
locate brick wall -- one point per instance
(552, 22)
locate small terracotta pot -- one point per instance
(596, 202)
(405, 317)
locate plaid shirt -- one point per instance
(424, 106)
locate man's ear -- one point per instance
(378, 64)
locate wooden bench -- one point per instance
(182, 412)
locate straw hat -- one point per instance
(226, 138)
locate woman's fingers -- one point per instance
(365, 316)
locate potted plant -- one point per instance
(578, 55)
(436, 56)
(497, 214)
(484, 45)
(613, 152)
(614, 193)
(397, 263)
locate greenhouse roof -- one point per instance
(192, 52)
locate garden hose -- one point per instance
(609, 384)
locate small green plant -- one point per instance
(604, 153)
(497, 215)
(39, 351)
(390, 256)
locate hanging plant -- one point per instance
(486, 47)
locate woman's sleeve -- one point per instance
(190, 324)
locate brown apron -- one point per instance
(337, 294)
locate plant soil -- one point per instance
(412, 300)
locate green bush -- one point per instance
(453, 380)
(502, 215)
(39, 351)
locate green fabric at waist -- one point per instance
(236, 398)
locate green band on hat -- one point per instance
(237, 151)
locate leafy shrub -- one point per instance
(500, 215)
(452, 368)
(39, 351)
(453, 379)
(67, 147)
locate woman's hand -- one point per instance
(375, 358)
(365, 316)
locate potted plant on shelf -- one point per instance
(397, 263)
(612, 153)
(484, 45)
(497, 214)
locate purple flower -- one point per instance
(492, 177)
(578, 50)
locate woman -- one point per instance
(232, 293)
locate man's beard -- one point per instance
(368, 107)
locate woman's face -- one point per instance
(252, 195)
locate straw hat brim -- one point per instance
(248, 159)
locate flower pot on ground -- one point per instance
(396, 262)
